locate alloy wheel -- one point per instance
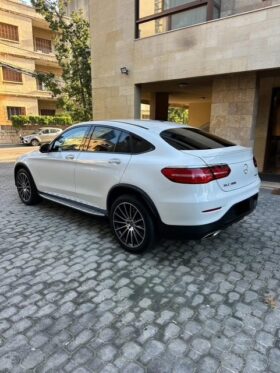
(129, 225)
(24, 186)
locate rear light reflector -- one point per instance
(201, 175)
(211, 210)
(255, 162)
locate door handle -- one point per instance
(70, 156)
(114, 161)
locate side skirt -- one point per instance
(73, 204)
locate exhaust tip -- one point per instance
(212, 234)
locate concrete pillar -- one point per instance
(161, 106)
(234, 107)
(137, 102)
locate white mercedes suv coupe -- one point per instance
(146, 176)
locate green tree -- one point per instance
(178, 115)
(72, 51)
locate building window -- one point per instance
(15, 110)
(9, 32)
(47, 112)
(43, 45)
(11, 75)
(41, 85)
(158, 16)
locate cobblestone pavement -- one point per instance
(72, 301)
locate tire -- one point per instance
(35, 142)
(132, 224)
(26, 187)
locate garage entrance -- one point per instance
(181, 101)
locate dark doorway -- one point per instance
(272, 159)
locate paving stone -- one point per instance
(152, 349)
(33, 359)
(71, 300)
(177, 347)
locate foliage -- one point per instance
(42, 120)
(73, 54)
(19, 120)
(178, 115)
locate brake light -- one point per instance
(201, 175)
(255, 162)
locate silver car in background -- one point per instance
(41, 136)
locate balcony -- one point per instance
(244, 42)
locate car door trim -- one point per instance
(89, 209)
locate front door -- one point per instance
(54, 172)
(272, 161)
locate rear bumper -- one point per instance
(233, 215)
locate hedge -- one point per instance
(42, 120)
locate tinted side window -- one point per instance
(123, 145)
(193, 139)
(140, 145)
(103, 139)
(70, 140)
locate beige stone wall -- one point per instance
(112, 38)
(28, 84)
(75, 5)
(241, 43)
(199, 114)
(30, 104)
(234, 107)
(21, 54)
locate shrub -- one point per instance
(19, 120)
(42, 120)
(62, 120)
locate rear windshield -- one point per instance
(193, 139)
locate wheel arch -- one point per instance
(121, 189)
(19, 166)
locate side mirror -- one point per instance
(45, 148)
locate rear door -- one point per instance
(101, 165)
(45, 136)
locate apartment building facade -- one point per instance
(218, 58)
(26, 47)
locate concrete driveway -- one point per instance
(72, 301)
(9, 153)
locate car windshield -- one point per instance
(193, 139)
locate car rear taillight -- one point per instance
(201, 175)
(255, 162)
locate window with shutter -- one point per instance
(11, 75)
(43, 45)
(15, 110)
(9, 32)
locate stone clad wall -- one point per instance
(234, 107)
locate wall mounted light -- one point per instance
(124, 70)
